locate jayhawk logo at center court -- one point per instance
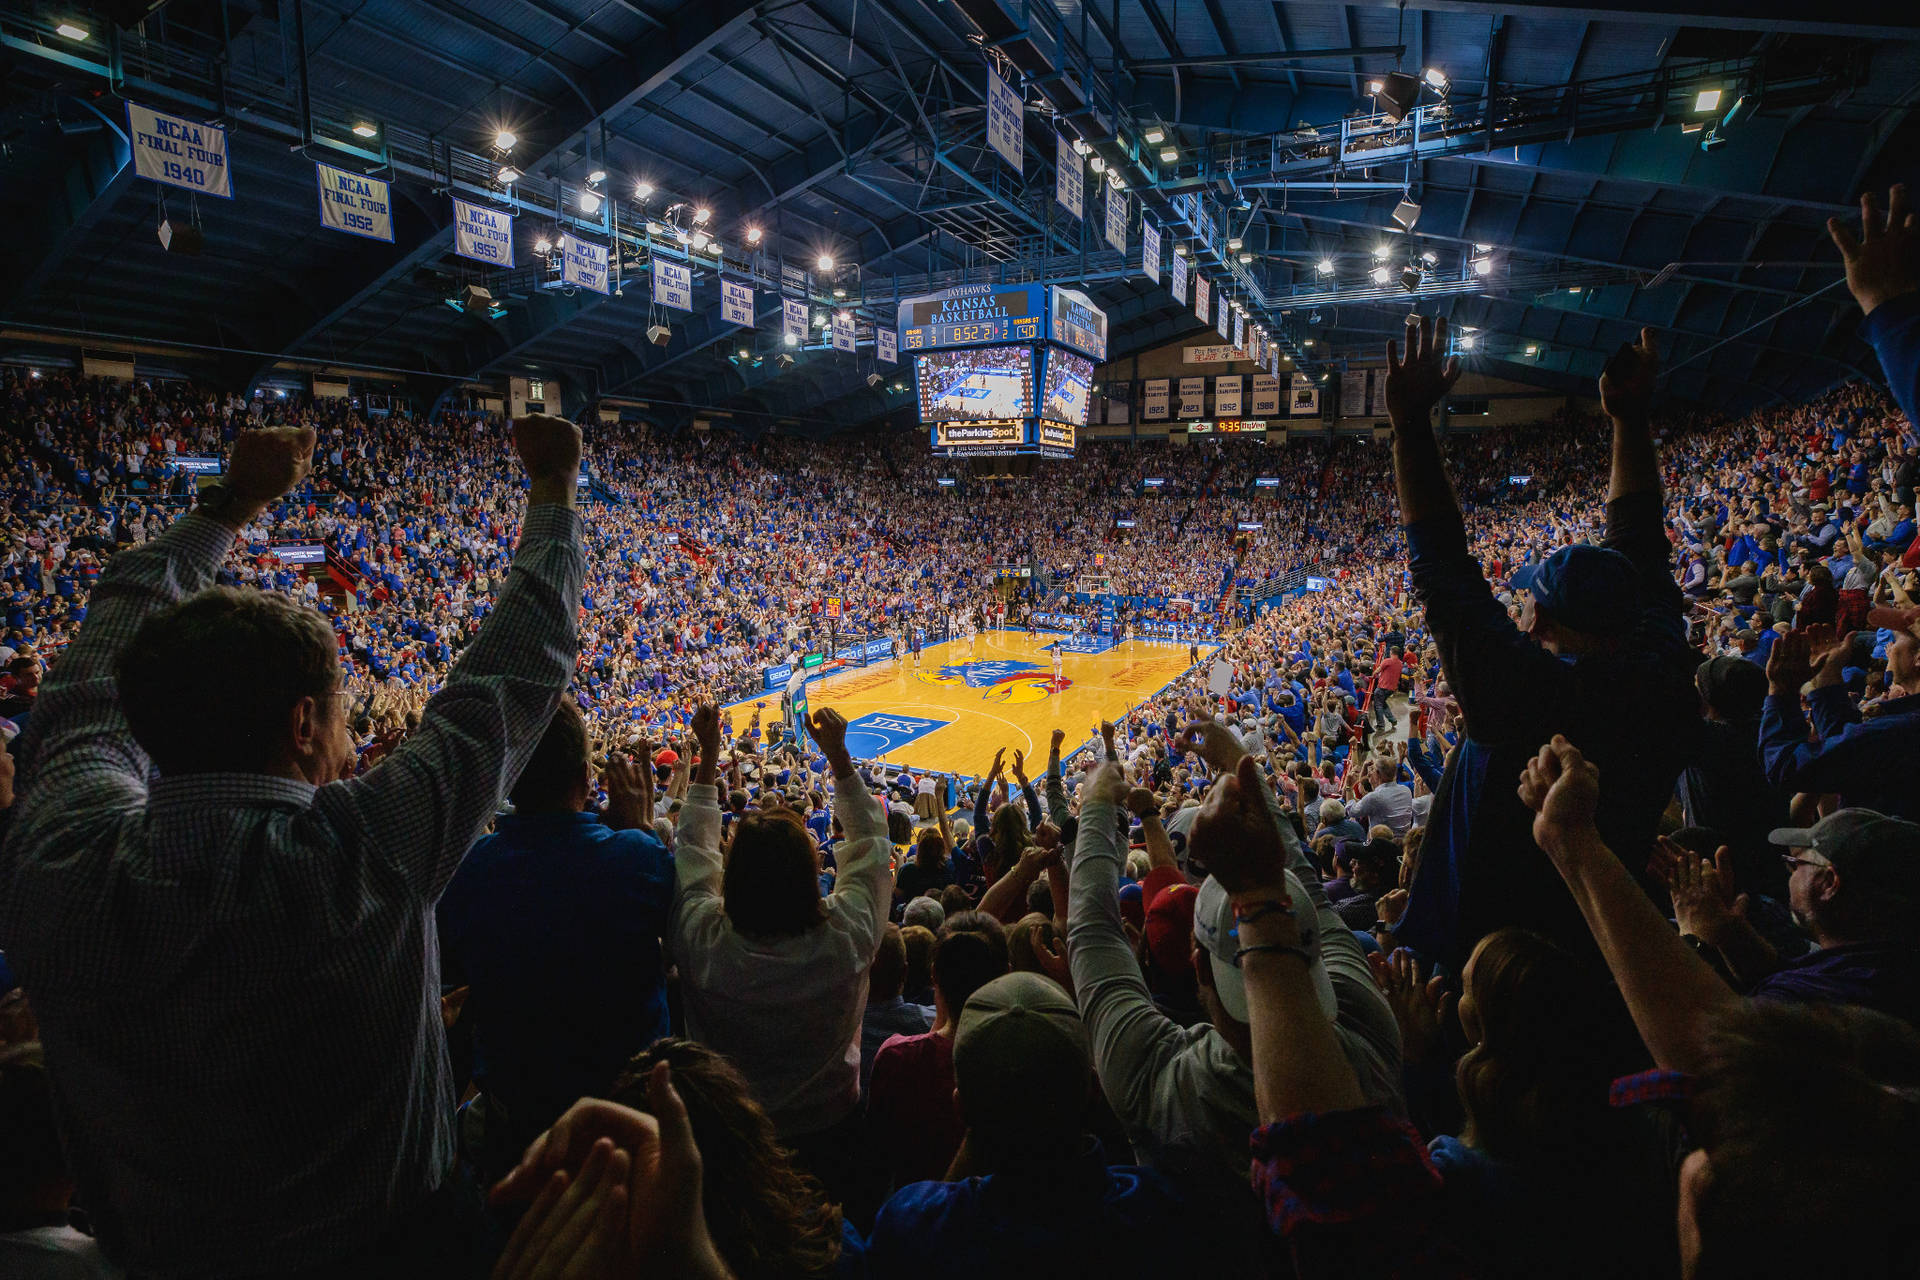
(1003, 680)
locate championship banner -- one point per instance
(357, 205)
(1149, 248)
(1353, 393)
(1273, 362)
(673, 284)
(888, 345)
(1006, 131)
(583, 263)
(1153, 400)
(1202, 298)
(1177, 279)
(1240, 331)
(1193, 398)
(843, 331)
(1266, 396)
(1377, 397)
(1226, 396)
(178, 152)
(793, 321)
(1220, 320)
(1117, 219)
(736, 303)
(1305, 401)
(1069, 175)
(483, 234)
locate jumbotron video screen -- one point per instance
(985, 383)
(1066, 387)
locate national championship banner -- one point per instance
(1273, 362)
(1006, 129)
(843, 331)
(1177, 279)
(673, 284)
(1149, 248)
(354, 203)
(583, 263)
(1266, 396)
(1305, 401)
(1069, 175)
(793, 321)
(1220, 320)
(1193, 398)
(736, 303)
(1377, 397)
(179, 152)
(483, 234)
(1353, 393)
(1226, 396)
(1202, 298)
(1117, 219)
(1153, 400)
(888, 346)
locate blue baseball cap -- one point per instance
(1587, 588)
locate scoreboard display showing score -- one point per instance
(973, 315)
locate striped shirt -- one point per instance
(236, 975)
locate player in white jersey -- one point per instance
(1058, 661)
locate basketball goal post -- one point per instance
(1100, 587)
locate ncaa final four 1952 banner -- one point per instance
(483, 234)
(584, 264)
(179, 152)
(354, 203)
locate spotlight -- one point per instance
(1307, 343)
(1406, 213)
(1233, 243)
(1707, 100)
(784, 360)
(659, 334)
(1409, 277)
(1169, 155)
(1155, 135)
(753, 235)
(1467, 341)
(543, 245)
(1326, 266)
(791, 339)
(1713, 141)
(1098, 165)
(589, 202)
(1080, 147)
(1483, 266)
(701, 214)
(1429, 257)
(1573, 288)
(1380, 275)
(597, 177)
(507, 176)
(1483, 248)
(874, 379)
(1692, 126)
(643, 191)
(1374, 86)
(820, 320)
(1533, 350)
(744, 354)
(504, 140)
(699, 240)
(825, 263)
(73, 31)
(1179, 251)
(1246, 257)
(839, 293)
(366, 129)
(1397, 96)
(1381, 251)
(1437, 81)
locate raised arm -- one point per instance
(1883, 274)
(863, 882)
(1626, 393)
(1414, 388)
(428, 801)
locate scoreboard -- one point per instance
(973, 315)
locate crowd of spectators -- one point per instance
(1535, 900)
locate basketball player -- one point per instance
(913, 640)
(1193, 653)
(1058, 661)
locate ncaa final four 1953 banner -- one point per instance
(354, 203)
(483, 234)
(179, 152)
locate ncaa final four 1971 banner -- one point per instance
(179, 152)
(354, 203)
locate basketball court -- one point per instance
(991, 393)
(963, 703)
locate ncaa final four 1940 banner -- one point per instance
(179, 152)
(354, 203)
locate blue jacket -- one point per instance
(1868, 762)
(554, 923)
(1894, 331)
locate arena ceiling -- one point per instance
(1565, 145)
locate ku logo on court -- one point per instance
(1003, 680)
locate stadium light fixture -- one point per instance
(72, 31)
(1374, 87)
(1382, 251)
(1246, 258)
(507, 176)
(643, 191)
(1483, 266)
(784, 360)
(1326, 266)
(589, 202)
(1405, 214)
(1398, 94)
(597, 177)
(1097, 164)
(1233, 243)
(1707, 100)
(1467, 341)
(1437, 80)
(1179, 251)
(839, 293)
(790, 339)
(699, 240)
(543, 245)
(753, 235)
(504, 140)
(701, 215)
(1155, 135)
(1713, 141)
(1169, 155)
(825, 263)
(1692, 126)
(1429, 257)
(1410, 277)
(1532, 350)
(363, 128)
(1080, 147)
(1380, 275)
(1483, 248)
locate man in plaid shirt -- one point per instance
(235, 967)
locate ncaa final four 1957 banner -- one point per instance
(584, 264)
(179, 152)
(354, 203)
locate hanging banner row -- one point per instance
(1234, 396)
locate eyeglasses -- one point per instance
(1793, 862)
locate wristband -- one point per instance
(1274, 948)
(1261, 909)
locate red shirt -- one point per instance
(1387, 674)
(910, 1107)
